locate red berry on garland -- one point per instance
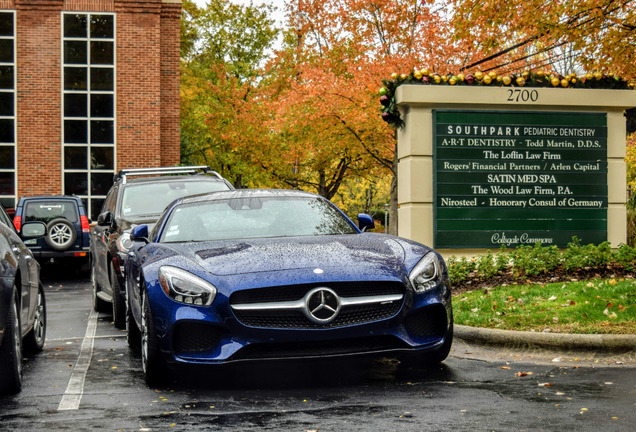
(385, 100)
(470, 79)
(386, 116)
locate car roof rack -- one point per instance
(199, 169)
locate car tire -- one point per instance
(428, 359)
(61, 234)
(153, 365)
(34, 340)
(11, 353)
(119, 306)
(99, 305)
(133, 334)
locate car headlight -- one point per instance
(426, 273)
(184, 287)
(124, 243)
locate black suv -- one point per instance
(68, 227)
(130, 202)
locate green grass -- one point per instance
(603, 306)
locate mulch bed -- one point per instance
(557, 275)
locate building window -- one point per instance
(88, 106)
(7, 110)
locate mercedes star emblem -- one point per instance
(322, 305)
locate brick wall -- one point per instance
(147, 87)
(38, 97)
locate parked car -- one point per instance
(137, 196)
(252, 275)
(68, 227)
(22, 304)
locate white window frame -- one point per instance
(14, 117)
(89, 196)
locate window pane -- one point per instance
(102, 53)
(102, 79)
(7, 184)
(74, 25)
(102, 132)
(6, 50)
(101, 26)
(74, 78)
(75, 158)
(76, 183)
(75, 131)
(7, 161)
(6, 77)
(100, 183)
(6, 104)
(8, 203)
(96, 207)
(75, 105)
(102, 158)
(6, 131)
(75, 52)
(101, 105)
(6, 24)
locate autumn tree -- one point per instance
(598, 34)
(223, 46)
(326, 81)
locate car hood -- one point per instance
(354, 253)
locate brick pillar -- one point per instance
(38, 97)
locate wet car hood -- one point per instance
(294, 253)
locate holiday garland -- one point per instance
(391, 115)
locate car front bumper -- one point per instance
(214, 335)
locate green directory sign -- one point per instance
(518, 178)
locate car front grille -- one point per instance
(361, 303)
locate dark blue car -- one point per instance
(251, 275)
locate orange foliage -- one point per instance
(598, 34)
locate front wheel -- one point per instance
(34, 341)
(133, 334)
(428, 359)
(11, 353)
(99, 305)
(152, 363)
(119, 307)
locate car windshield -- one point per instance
(46, 211)
(254, 218)
(150, 199)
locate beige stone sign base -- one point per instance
(415, 145)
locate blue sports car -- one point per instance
(258, 275)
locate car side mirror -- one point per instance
(33, 230)
(139, 233)
(105, 219)
(365, 222)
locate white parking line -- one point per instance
(75, 389)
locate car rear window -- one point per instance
(46, 211)
(148, 199)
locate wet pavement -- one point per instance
(87, 378)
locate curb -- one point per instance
(553, 341)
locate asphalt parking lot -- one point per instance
(86, 378)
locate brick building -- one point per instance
(87, 87)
